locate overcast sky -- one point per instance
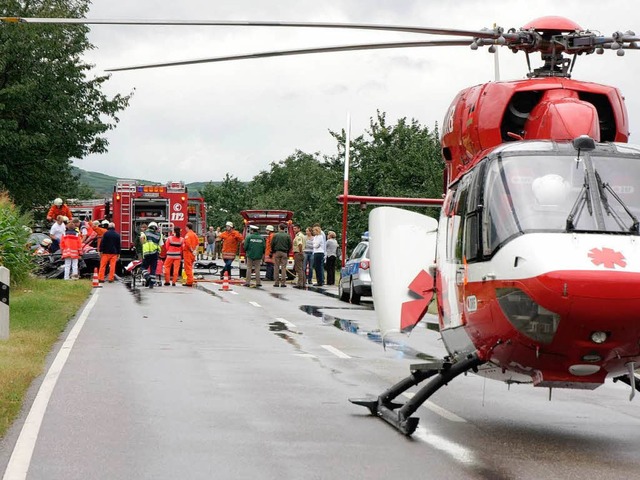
(197, 123)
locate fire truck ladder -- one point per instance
(126, 188)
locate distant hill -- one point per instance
(103, 184)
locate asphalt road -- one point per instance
(253, 384)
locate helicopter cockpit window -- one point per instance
(559, 193)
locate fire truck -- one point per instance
(168, 205)
(94, 209)
(197, 215)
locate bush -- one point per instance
(14, 234)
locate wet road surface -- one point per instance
(253, 383)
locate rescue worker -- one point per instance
(281, 245)
(71, 247)
(59, 208)
(189, 252)
(268, 254)
(43, 248)
(230, 241)
(57, 231)
(109, 252)
(254, 246)
(100, 231)
(173, 247)
(150, 249)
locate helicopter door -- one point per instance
(460, 221)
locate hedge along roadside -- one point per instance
(14, 234)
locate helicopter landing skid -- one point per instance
(399, 415)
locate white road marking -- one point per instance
(305, 355)
(232, 292)
(456, 451)
(444, 413)
(256, 304)
(286, 322)
(21, 457)
(335, 351)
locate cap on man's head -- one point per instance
(57, 202)
(105, 222)
(254, 227)
(269, 228)
(229, 224)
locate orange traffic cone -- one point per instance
(95, 283)
(225, 282)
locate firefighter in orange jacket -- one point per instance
(189, 249)
(230, 242)
(59, 208)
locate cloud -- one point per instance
(197, 123)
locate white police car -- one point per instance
(355, 276)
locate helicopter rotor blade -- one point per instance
(343, 48)
(484, 33)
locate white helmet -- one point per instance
(57, 202)
(229, 224)
(153, 225)
(45, 242)
(270, 228)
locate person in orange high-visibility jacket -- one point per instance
(189, 249)
(59, 208)
(231, 240)
(174, 246)
(268, 254)
(71, 247)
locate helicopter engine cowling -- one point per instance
(561, 115)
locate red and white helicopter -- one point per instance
(535, 261)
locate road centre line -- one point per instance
(444, 413)
(335, 351)
(256, 304)
(23, 451)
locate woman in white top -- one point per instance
(318, 256)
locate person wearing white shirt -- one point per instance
(56, 232)
(319, 247)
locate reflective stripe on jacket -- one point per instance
(152, 245)
(174, 246)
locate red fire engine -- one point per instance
(197, 215)
(94, 209)
(168, 205)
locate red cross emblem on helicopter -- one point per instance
(607, 257)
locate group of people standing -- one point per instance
(314, 250)
(177, 247)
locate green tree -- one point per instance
(51, 109)
(401, 160)
(302, 183)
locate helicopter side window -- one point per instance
(462, 220)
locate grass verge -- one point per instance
(39, 311)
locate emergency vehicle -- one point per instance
(197, 215)
(94, 209)
(168, 205)
(262, 218)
